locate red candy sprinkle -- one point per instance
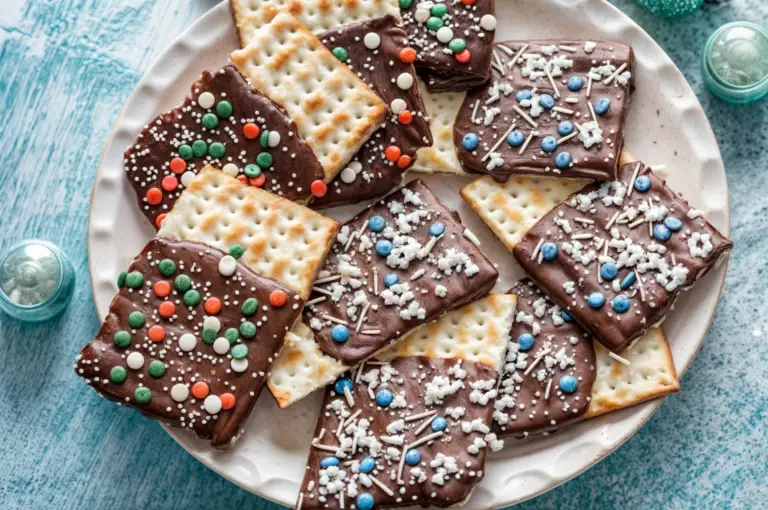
(159, 220)
(162, 289)
(212, 305)
(318, 188)
(170, 183)
(468, 2)
(403, 161)
(227, 400)
(157, 333)
(392, 153)
(405, 117)
(242, 178)
(178, 165)
(154, 196)
(407, 55)
(277, 298)
(463, 56)
(166, 309)
(200, 390)
(251, 131)
(257, 181)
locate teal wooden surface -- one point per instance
(66, 68)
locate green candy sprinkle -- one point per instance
(264, 140)
(182, 283)
(199, 148)
(122, 339)
(143, 395)
(236, 251)
(340, 53)
(224, 109)
(264, 160)
(434, 24)
(118, 375)
(156, 369)
(209, 335)
(217, 150)
(192, 297)
(210, 120)
(457, 45)
(136, 320)
(439, 10)
(240, 351)
(167, 267)
(404, 4)
(185, 152)
(250, 306)
(134, 279)
(248, 329)
(121, 279)
(232, 334)
(252, 171)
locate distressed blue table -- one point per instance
(66, 68)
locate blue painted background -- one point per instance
(66, 68)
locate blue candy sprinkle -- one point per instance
(377, 223)
(470, 141)
(525, 341)
(563, 160)
(412, 457)
(516, 138)
(340, 333)
(439, 424)
(364, 501)
(568, 383)
(383, 247)
(620, 303)
(567, 317)
(643, 183)
(549, 144)
(523, 94)
(549, 251)
(391, 279)
(436, 229)
(384, 397)
(608, 271)
(342, 383)
(547, 101)
(596, 300)
(328, 462)
(673, 224)
(575, 83)
(661, 232)
(602, 106)
(628, 281)
(565, 128)
(367, 465)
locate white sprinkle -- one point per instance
(362, 317)
(423, 427)
(419, 416)
(371, 40)
(549, 386)
(315, 301)
(640, 285)
(230, 169)
(381, 486)
(179, 392)
(227, 265)
(499, 141)
(474, 111)
(552, 81)
(586, 221)
(571, 49)
(375, 281)
(617, 72)
(206, 100)
(572, 100)
(525, 116)
(348, 396)
(632, 181)
(538, 247)
(425, 439)
(488, 22)
(592, 112)
(301, 500)
(334, 319)
(370, 332)
(514, 60)
(405, 81)
(536, 361)
(527, 141)
(352, 418)
(328, 279)
(472, 237)
(418, 274)
(579, 237)
(187, 342)
(325, 447)
(321, 291)
(618, 358)
(566, 138)
(589, 85)
(566, 111)
(608, 225)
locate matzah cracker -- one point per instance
(650, 374)
(442, 109)
(281, 239)
(334, 110)
(317, 15)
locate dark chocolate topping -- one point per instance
(488, 112)
(450, 464)
(148, 161)
(618, 226)
(544, 398)
(441, 68)
(450, 272)
(369, 173)
(203, 356)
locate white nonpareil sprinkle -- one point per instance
(179, 392)
(221, 345)
(187, 342)
(212, 404)
(239, 365)
(227, 265)
(135, 360)
(206, 100)
(372, 40)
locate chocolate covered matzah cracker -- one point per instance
(616, 255)
(225, 123)
(550, 108)
(189, 338)
(414, 428)
(453, 41)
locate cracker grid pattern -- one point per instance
(442, 109)
(334, 110)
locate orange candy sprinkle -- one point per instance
(242, 178)
(170, 183)
(154, 196)
(162, 288)
(156, 333)
(251, 131)
(392, 153)
(212, 305)
(178, 165)
(159, 219)
(407, 55)
(166, 308)
(318, 188)
(277, 298)
(468, 2)
(463, 56)
(227, 400)
(200, 390)
(403, 161)
(405, 117)
(257, 181)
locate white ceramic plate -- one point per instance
(666, 125)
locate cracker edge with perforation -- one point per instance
(441, 156)
(176, 224)
(314, 131)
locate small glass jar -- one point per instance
(37, 281)
(735, 63)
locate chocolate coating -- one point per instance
(202, 364)
(436, 64)
(379, 68)
(390, 321)
(599, 161)
(147, 161)
(524, 406)
(664, 267)
(411, 377)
